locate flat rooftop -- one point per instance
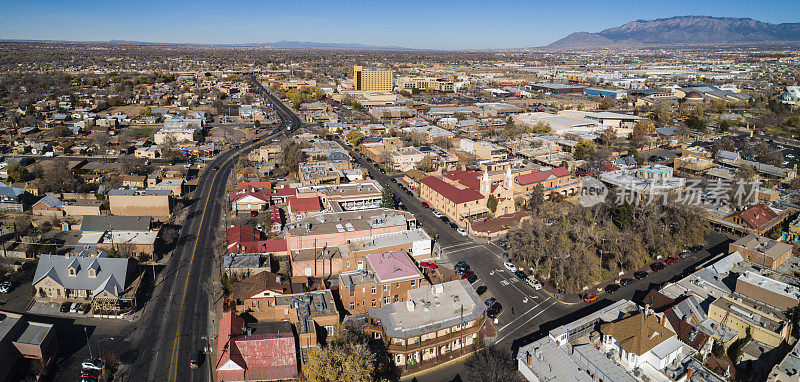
(34, 333)
(348, 221)
(389, 240)
(769, 284)
(430, 308)
(393, 266)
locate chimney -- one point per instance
(528, 358)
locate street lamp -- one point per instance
(101, 351)
(86, 332)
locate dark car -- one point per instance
(684, 254)
(626, 282)
(64, 307)
(472, 278)
(490, 302)
(481, 290)
(521, 275)
(657, 266)
(445, 220)
(494, 310)
(197, 359)
(466, 274)
(640, 275)
(461, 267)
(453, 225)
(611, 288)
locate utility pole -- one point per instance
(86, 332)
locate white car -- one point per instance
(510, 266)
(73, 308)
(92, 365)
(533, 283)
(462, 231)
(437, 214)
(5, 286)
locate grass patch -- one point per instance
(143, 132)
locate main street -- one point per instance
(177, 323)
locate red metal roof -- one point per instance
(283, 192)
(261, 246)
(243, 233)
(540, 176)
(451, 192)
(264, 357)
(304, 204)
(261, 194)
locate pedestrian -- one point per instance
(512, 310)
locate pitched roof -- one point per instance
(657, 301)
(51, 201)
(452, 193)
(110, 272)
(756, 216)
(261, 282)
(540, 176)
(260, 194)
(685, 318)
(263, 357)
(297, 204)
(261, 246)
(637, 333)
(242, 233)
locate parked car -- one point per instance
(5, 286)
(626, 282)
(481, 290)
(79, 308)
(590, 298)
(472, 278)
(494, 311)
(490, 302)
(640, 275)
(510, 266)
(466, 274)
(461, 267)
(65, 307)
(684, 254)
(533, 283)
(521, 275)
(672, 260)
(461, 231)
(426, 205)
(73, 308)
(89, 364)
(657, 266)
(611, 288)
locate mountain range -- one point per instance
(689, 30)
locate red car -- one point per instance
(672, 260)
(467, 274)
(425, 204)
(433, 266)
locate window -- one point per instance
(352, 305)
(374, 289)
(413, 282)
(329, 329)
(373, 303)
(385, 288)
(386, 300)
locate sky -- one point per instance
(430, 24)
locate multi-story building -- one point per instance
(338, 228)
(762, 250)
(372, 80)
(405, 159)
(553, 181)
(255, 352)
(425, 83)
(386, 279)
(462, 195)
(767, 290)
(346, 197)
(767, 325)
(435, 324)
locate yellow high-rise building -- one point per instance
(372, 80)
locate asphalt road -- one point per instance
(177, 318)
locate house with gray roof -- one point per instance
(101, 281)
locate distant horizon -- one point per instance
(466, 25)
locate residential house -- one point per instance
(258, 292)
(50, 205)
(553, 180)
(140, 202)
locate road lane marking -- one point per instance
(529, 320)
(176, 344)
(520, 316)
